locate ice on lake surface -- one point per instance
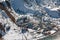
(20, 6)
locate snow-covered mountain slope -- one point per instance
(32, 19)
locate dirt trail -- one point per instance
(8, 13)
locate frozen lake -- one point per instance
(19, 4)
